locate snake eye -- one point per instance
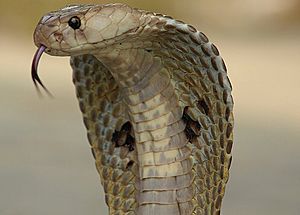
(74, 22)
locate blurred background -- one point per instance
(45, 162)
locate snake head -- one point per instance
(82, 29)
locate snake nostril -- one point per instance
(58, 37)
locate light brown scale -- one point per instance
(196, 78)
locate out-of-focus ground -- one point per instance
(45, 162)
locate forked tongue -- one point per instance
(34, 73)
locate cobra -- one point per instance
(156, 102)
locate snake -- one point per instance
(156, 102)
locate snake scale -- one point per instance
(156, 102)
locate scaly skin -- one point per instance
(157, 105)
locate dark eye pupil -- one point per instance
(74, 22)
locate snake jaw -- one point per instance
(34, 72)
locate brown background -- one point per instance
(45, 163)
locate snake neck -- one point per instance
(164, 161)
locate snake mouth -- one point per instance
(34, 69)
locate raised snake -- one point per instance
(156, 103)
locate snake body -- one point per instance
(156, 103)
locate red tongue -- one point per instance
(34, 74)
